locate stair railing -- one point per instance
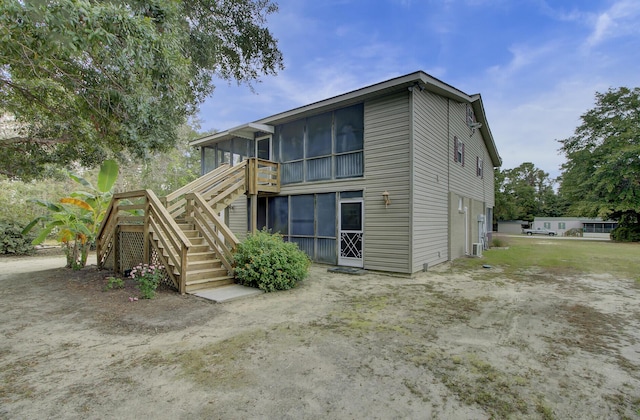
(263, 176)
(217, 234)
(214, 184)
(160, 231)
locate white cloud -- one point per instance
(619, 20)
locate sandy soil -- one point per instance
(444, 344)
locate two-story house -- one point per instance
(396, 176)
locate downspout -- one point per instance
(466, 231)
(449, 151)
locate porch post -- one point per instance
(254, 213)
(145, 234)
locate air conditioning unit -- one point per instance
(476, 249)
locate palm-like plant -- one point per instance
(77, 218)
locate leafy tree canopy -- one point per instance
(525, 192)
(602, 174)
(83, 80)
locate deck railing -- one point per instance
(160, 231)
(197, 203)
(216, 233)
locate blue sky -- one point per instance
(536, 63)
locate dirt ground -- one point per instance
(444, 344)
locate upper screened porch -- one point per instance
(320, 147)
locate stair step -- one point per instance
(195, 275)
(209, 283)
(199, 256)
(203, 265)
(197, 249)
(197, 241)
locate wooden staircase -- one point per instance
(204, 268)
(183, 230)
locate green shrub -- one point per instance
(114, 283)
(12, 241)
(574, 232)
(265, 261)
(629, 233)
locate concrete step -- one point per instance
(227, 293)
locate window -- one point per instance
(325, 146)
(349, 129)
(319, 135)
(302, 214)
(458, 150)
(562, 225)
(231, 151)
(599, 227)
(208, 159)
(308, 220)
(479, 167)
(547, 225)
(291, 139)
(278, 214)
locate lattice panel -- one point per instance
(132, 253)
(131, 250)
(155, 260)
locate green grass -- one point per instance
(561, 256)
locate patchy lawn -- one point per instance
(550, 331)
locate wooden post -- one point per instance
(183, 270)
(116, 250)
(254, 213)
(145, 241)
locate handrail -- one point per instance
(195, 184)
(213, 185)
(211, 226)
(162, 226)
(164, 215)
(198, 202)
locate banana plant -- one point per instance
(77, 218)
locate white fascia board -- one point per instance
(478, 110)
(428, 82)
(246, 131)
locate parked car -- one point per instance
(539, 232)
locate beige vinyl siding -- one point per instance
(238, 217)
(430, 172)
(463, 179)
(387, 233)
(323, 187)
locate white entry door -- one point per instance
(351, 232)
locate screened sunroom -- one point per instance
(311, 151)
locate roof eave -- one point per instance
(246, 131)
(478, 109)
